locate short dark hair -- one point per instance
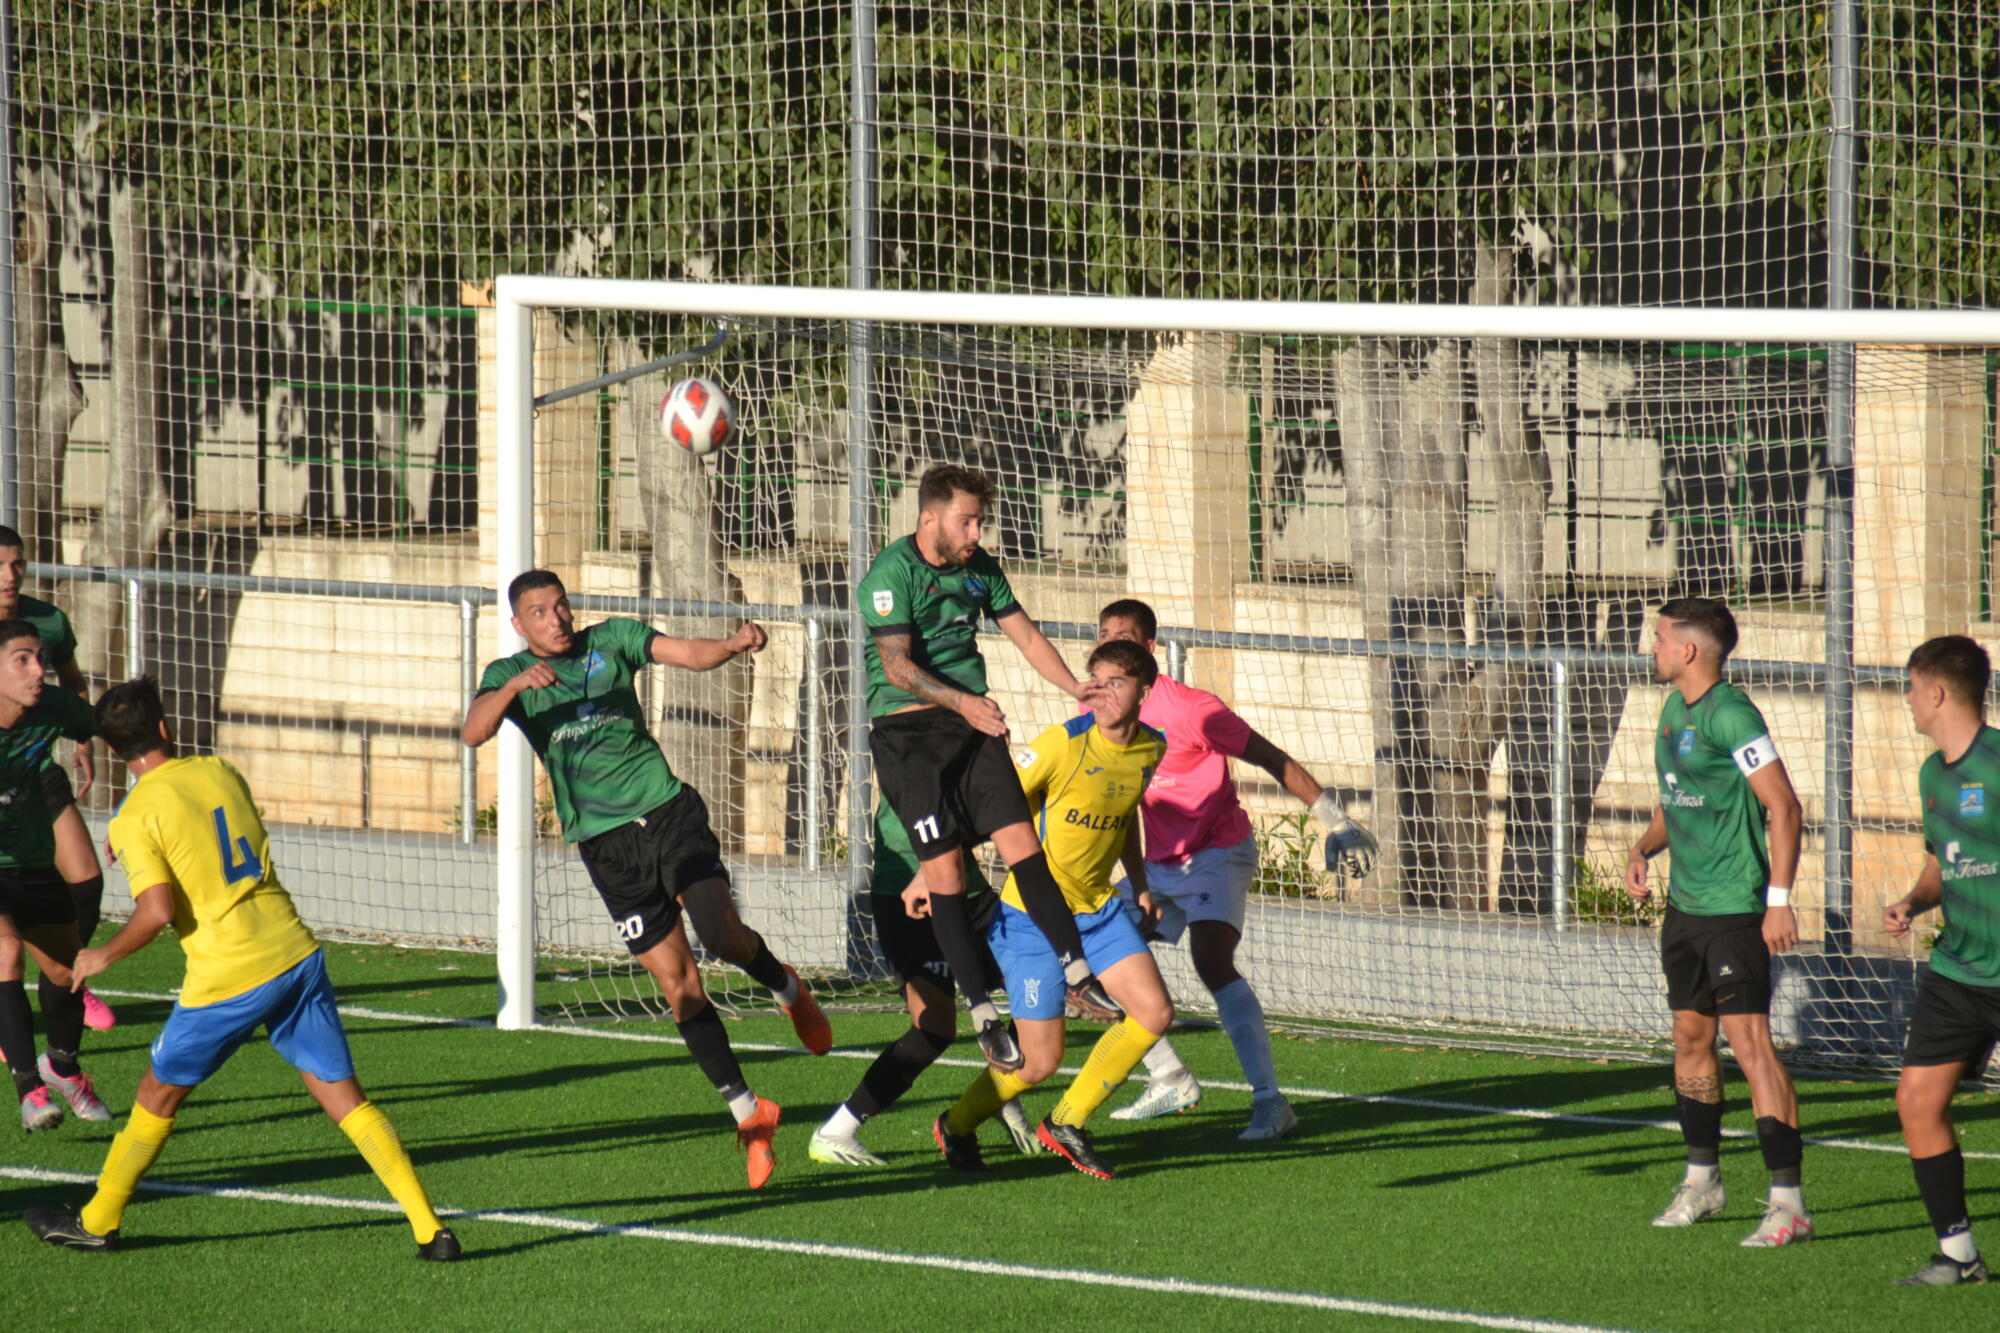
(129, 718)
(17, 627)
(12, 537)
(1131, 608)
(1957, 663)
(527, 582)
(943, 480)
(1129, 657)
(1709, 617)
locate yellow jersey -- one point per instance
(191, 824)
(1083, 793)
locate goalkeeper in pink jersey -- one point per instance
(1201, 856)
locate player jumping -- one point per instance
(642, 833)
(1200, 860)
(939, 741)
(76, 859)
(36, 911)
(1957, 1016)
(1728, 910)
(1084, 779)
(196, 856)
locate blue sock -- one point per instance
(1243, 1020)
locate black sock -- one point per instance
(951, 924)
(708, 1042)
(1047, 907)
(62, 1022)
(1701, 1129)
(1783, 1149)
(1941, 1182)
(87, 896)
(894, 1071)
(765, 969)
(17, 1036)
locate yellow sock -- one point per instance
(379, 1143)
(132, 1155)
(983, 1100)
(1116, 1054)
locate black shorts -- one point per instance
(1716, 964)
(1953, 1023)
(910, 947)
(641, 868)
(56, 790)
(951, 785)
(36, 898)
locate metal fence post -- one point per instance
(135, 627)
(1559, 802)
(468, 679)
(815, 745)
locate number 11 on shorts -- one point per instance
(925, 829)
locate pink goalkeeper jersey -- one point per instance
(1191, 803)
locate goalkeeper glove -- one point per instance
(1350, 848)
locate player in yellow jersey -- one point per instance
(1083, 781)
(196, 856)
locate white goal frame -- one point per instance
(517, 298)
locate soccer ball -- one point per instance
(696, 415)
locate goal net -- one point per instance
(1423, 561)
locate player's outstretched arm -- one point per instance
(489, 708)
(1350, 848)
(1651, 843)
(1044, 657)
(152, 911)
(1772, 786)
(1899, 916)
(707, 654)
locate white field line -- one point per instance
(1301, 1093)
(1087, 1277)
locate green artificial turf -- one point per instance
(1442, 1207)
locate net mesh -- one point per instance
(255, 251)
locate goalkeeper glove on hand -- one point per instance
(1350, 848)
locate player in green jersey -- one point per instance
(642, 833)
(911, 950)
(1728, 910)
(939, 741)
(76, 859)
(1957, 1015)
(36, 914)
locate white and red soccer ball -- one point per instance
(697, 416)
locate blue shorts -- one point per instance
(296, 1007)
(1034, 973)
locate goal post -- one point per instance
(1414, 544)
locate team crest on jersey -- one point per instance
(885, 601)
(594, 663)
(1687, 741)
(975, 588)
(1972, 800)
(1024, 757)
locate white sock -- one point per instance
(1958, 1246)
(842, 1124)
(1790, 1196)
(1243, 1019)
(787, 994)
(743, 1105)
(1704, 1173)
(1163, 1062)
(982, 1013)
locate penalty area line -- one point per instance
(1087, 1277)
(1302, 1093)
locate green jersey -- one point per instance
(1962, 830)
(939, 607)
(896, 864)
(603, 763)
(58, 638)
(1705, 754)
(27, 834)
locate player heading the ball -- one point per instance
(641, 832)
(939, 741)
(196, 856)
(1728, 910)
